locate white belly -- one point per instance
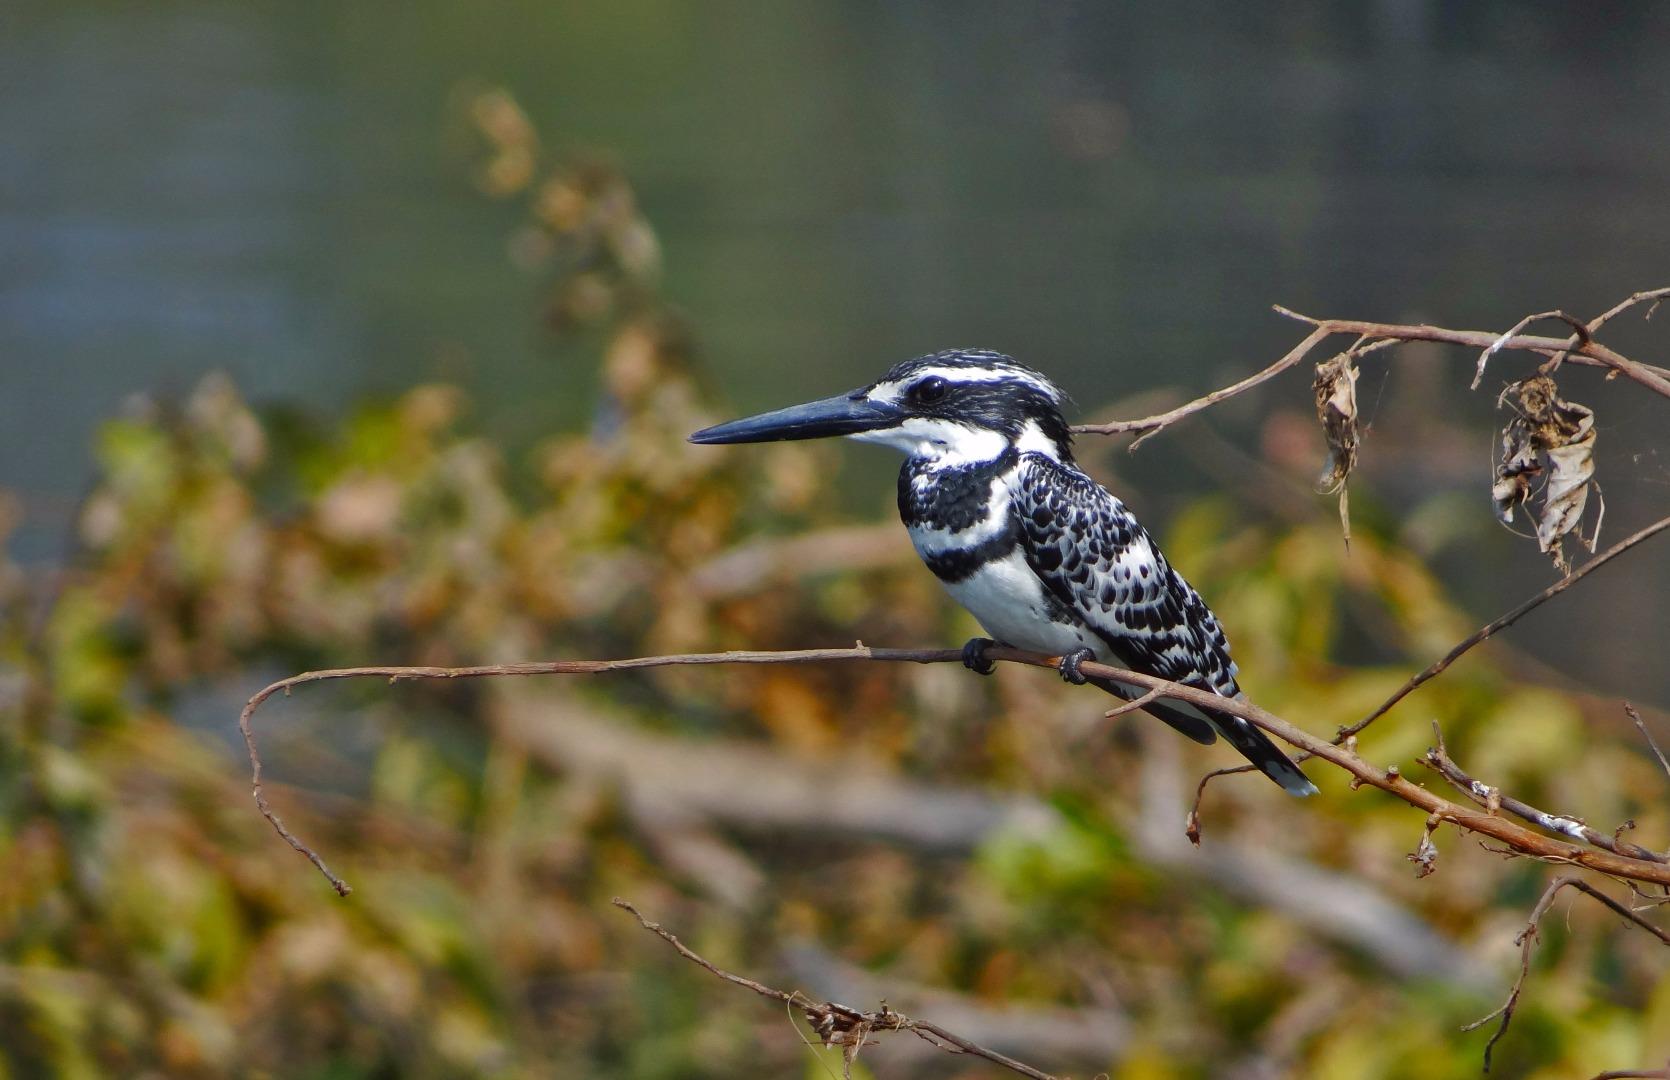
(1008, 600)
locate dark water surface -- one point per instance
(1116, 193)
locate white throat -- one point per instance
(941, 443)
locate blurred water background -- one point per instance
(1116, 193)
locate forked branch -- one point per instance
(1580, 348)
(842, 1025)
(1492, 799)
(1527, 940)
(1346, 735)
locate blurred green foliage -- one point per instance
(151, 924)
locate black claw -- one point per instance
(974, 656)
(1069, 666)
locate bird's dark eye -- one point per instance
(929, 390)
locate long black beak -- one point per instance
(843, 414)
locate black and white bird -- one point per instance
(1043, 556)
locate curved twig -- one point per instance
(1131, 706)
(395, 673)
(1152, 425)
(1486, 631)
(1191, 821)
(1580, 332)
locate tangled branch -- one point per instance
(1527, 940)
(1346, 735)
(841, 1025)
(1580, 348)
(1438, 759)
(1546, 448)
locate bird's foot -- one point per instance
(1069, 666)
(974, 656)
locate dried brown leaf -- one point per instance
(1335, 387)
(1552, 439)
(1515, 471)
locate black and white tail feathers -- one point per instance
(1204, 727)
(1257, 748)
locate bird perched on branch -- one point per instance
(1042, 555)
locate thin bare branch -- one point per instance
(1516, 837)
(836, 1024)
(1591, 354)
(1641, 726)
(1086, 1031)
(555, 667)
(1580, 348)
(1439, 760)
(1653, 295)
(1151, 425)
(1131, 706)
(1346, 734)
(1527, 939)
(787, 998)
(1493, 627)
(1581, 335)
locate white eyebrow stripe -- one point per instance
(890, 390)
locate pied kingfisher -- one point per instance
(1042, 555)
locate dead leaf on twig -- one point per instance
(1552, 439)
(850, 1029)
(1336, 407)
(1425, 855)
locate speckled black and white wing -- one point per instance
(1098, 561)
